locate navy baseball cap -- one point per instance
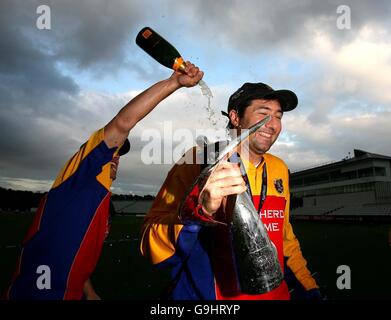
(249, 91)
(124, 148)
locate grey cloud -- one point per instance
(41, 109)
(96, 32)
(90, 35)
(27, 73)
(317, 144)
(98, 36)
(31, 86)
(42, 116)
(259, 26)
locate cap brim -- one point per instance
(288, 99)
(124, 148)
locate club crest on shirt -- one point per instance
(278, 185)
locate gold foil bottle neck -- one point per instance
(179, 64)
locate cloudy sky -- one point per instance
(57, 86)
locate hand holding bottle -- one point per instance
(189, 77)
(227, 179)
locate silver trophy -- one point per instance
(257, 264)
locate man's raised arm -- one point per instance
(117, 130)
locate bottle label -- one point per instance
(147, 33)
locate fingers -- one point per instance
(192, 71)
(228, 181)
(233, 190)
(225, 169)
(225, 187)
(212, 196)
(225, 180)
(199, 76)
(189, 78)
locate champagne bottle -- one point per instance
(164, 53)
(160, 49)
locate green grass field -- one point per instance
(122, 273)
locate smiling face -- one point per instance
(261, 141)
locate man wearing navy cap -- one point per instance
(199, 254)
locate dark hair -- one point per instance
(240, 108)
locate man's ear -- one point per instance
(234, 118)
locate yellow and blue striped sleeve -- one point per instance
(163, 234)
(102, 168)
